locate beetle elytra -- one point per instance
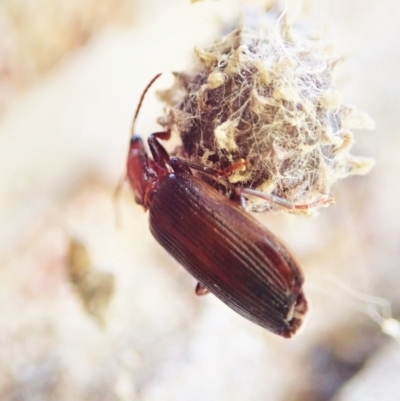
(228, 251)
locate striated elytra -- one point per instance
(228, 251)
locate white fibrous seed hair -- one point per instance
(265, 94)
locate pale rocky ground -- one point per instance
(63, 143)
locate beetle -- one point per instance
(229, 252)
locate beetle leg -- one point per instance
(238, 198)
(238, 165)
(164, 135)
(179, 166)
(201, 289)
(159, 153)
(324, 201)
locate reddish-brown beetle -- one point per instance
(229, 252)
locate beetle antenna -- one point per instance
(141, 101)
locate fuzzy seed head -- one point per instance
(265, 94)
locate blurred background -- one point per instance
(94, 310)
